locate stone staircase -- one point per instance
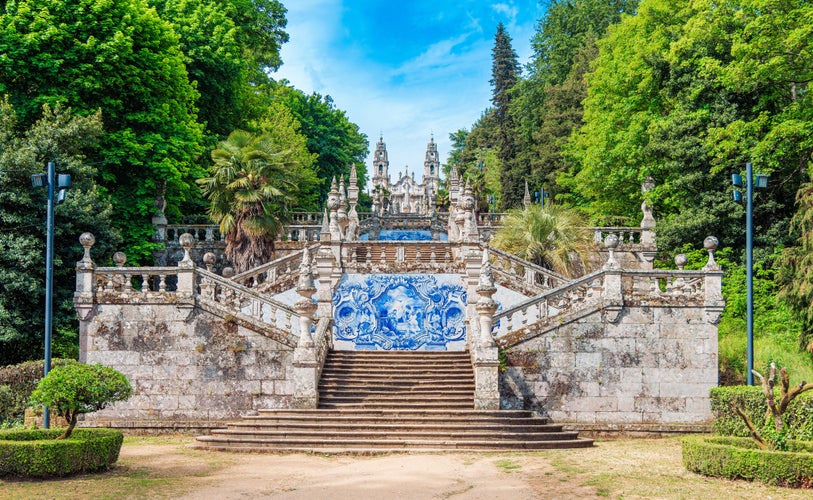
(393, 401)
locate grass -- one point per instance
(507, 465)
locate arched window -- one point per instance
(380, 170)
(432, 170)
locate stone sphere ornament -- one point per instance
(611, 241)
(681, 260)
(228, 272)
(186, 240)
(711, 243)
(87, 239)
(119, 258)
(209, 259)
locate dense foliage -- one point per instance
(57, 135)
(76, 388)
(35, 453)
(17, 382)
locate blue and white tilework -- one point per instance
(405, 235)
(400, 312)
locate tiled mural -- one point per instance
(400, 312)
(405, 235)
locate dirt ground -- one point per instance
(166, 467)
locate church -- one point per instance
(406, 195)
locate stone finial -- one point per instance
(305, 306)
(209, 260)
(228, 272)
(187, 241)
(710, 244)
(119, 258)
(611, 243)
(486, 306)
(87, 240)
(681, 260)
(526, 200)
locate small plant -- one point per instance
(773, 437)
(74, 389)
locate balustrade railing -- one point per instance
(224, 293)
(399, 256)
(134, 282)
(201, 232)
(275, 276)
(522, 273)
(626, 235)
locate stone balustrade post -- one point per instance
(713, 283)
(83, 297)
(186, 269)
(612, 295)
(305, 365)
(485, 354)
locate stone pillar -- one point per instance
(352, 233)
(306, 363)
(526, 200)
(342, 213)
(485, 353)
(83, 297)
(186, 269)
(612, 295)
(649, 248)
(333, 206)
(713, 284)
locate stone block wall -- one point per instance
(185, 365)
(654, 365)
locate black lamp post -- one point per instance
(51, 182)
(539, 196)
(761, 181)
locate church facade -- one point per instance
(406, 195)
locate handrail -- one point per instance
(274, 264)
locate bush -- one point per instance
(798, 418)
(739, 458)
(17, 382)
(74, 389)
(35, 453)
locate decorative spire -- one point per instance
(526, 200)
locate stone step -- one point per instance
(403, 397)
(395, 405)
(394, 413)
(380, 445)
(398, 385)
(422, 371)
(426, 392)
(400, 426)
(394, 434)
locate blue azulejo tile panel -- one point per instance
(400, 312)
(405, 235)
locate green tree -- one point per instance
(505, 72)
(76, 388)
(119, 57)
(554, 237)
(331, 135)
(65, 139)
(253, 185)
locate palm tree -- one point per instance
(553, 237)
(250, 189)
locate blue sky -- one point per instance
(403, 68)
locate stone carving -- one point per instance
(400, 312)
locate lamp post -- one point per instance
(539, 196)
(761, 181)
(50, 181)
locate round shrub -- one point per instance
(35, 453)
(74, 389)
(740, 458)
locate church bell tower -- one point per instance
(431, 167)
(381, 165)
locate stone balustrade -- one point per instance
(275, 276)
(138, 284)
(200, 232)
(227, 295)
(400, 256)
(521, 275)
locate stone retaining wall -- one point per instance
(185, 364)
(653, 365)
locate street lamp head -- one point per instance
(63, 181)
(39, 180)
(761, 181)
(737, 195)
(736, 179)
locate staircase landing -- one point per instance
(375, 402)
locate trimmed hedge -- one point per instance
(17, 382)
(35, 453)
(798, 418)
(739, 458)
